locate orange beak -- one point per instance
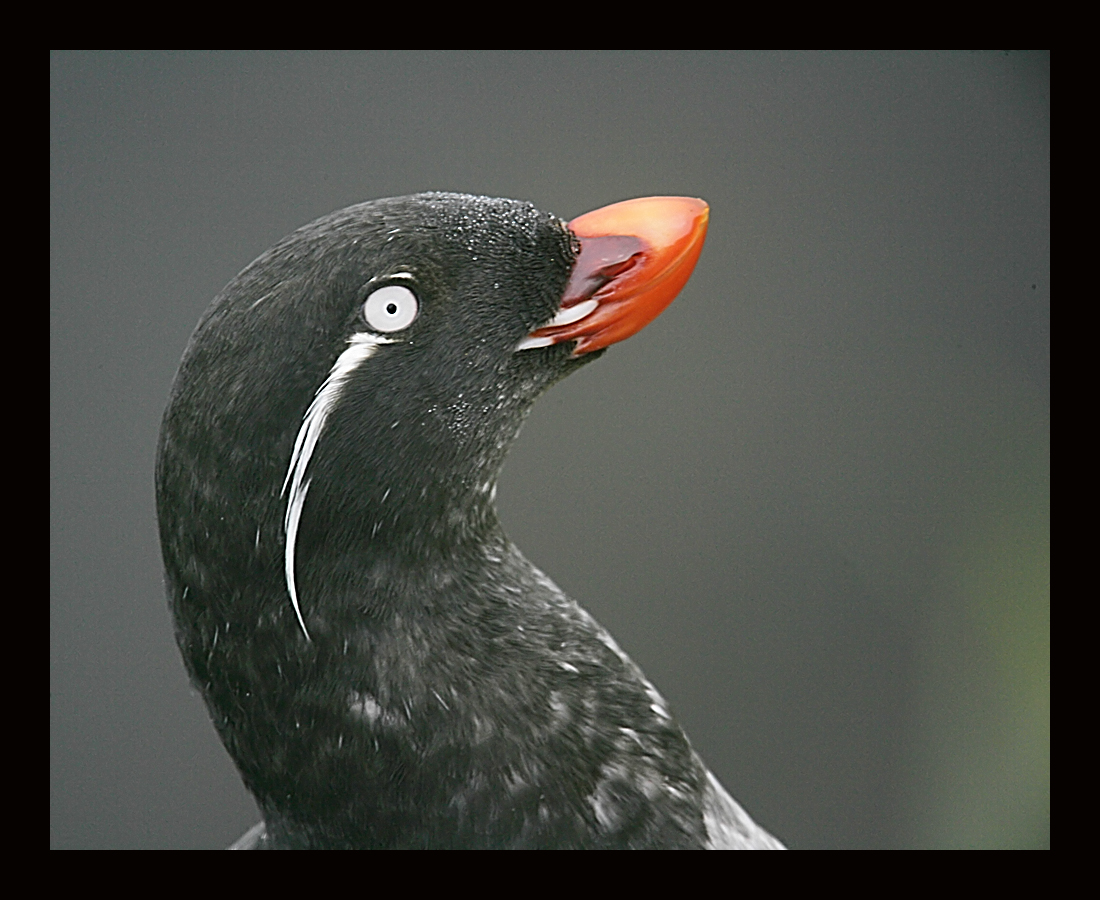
(635, 258)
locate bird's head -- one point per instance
(353, 392)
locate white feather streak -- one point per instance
(360, 348)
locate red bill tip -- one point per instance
(635, 258)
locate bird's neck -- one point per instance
(395, 554)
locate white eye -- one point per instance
(390, 308)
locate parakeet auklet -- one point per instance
(384, 666)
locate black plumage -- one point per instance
(385, 668)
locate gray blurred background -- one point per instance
(812, 500)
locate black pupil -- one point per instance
(391, 308)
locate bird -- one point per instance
(383, 665)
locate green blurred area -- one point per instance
(981, 762)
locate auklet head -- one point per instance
(325, 483)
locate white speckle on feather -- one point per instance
(261, 300)
(363, 706)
